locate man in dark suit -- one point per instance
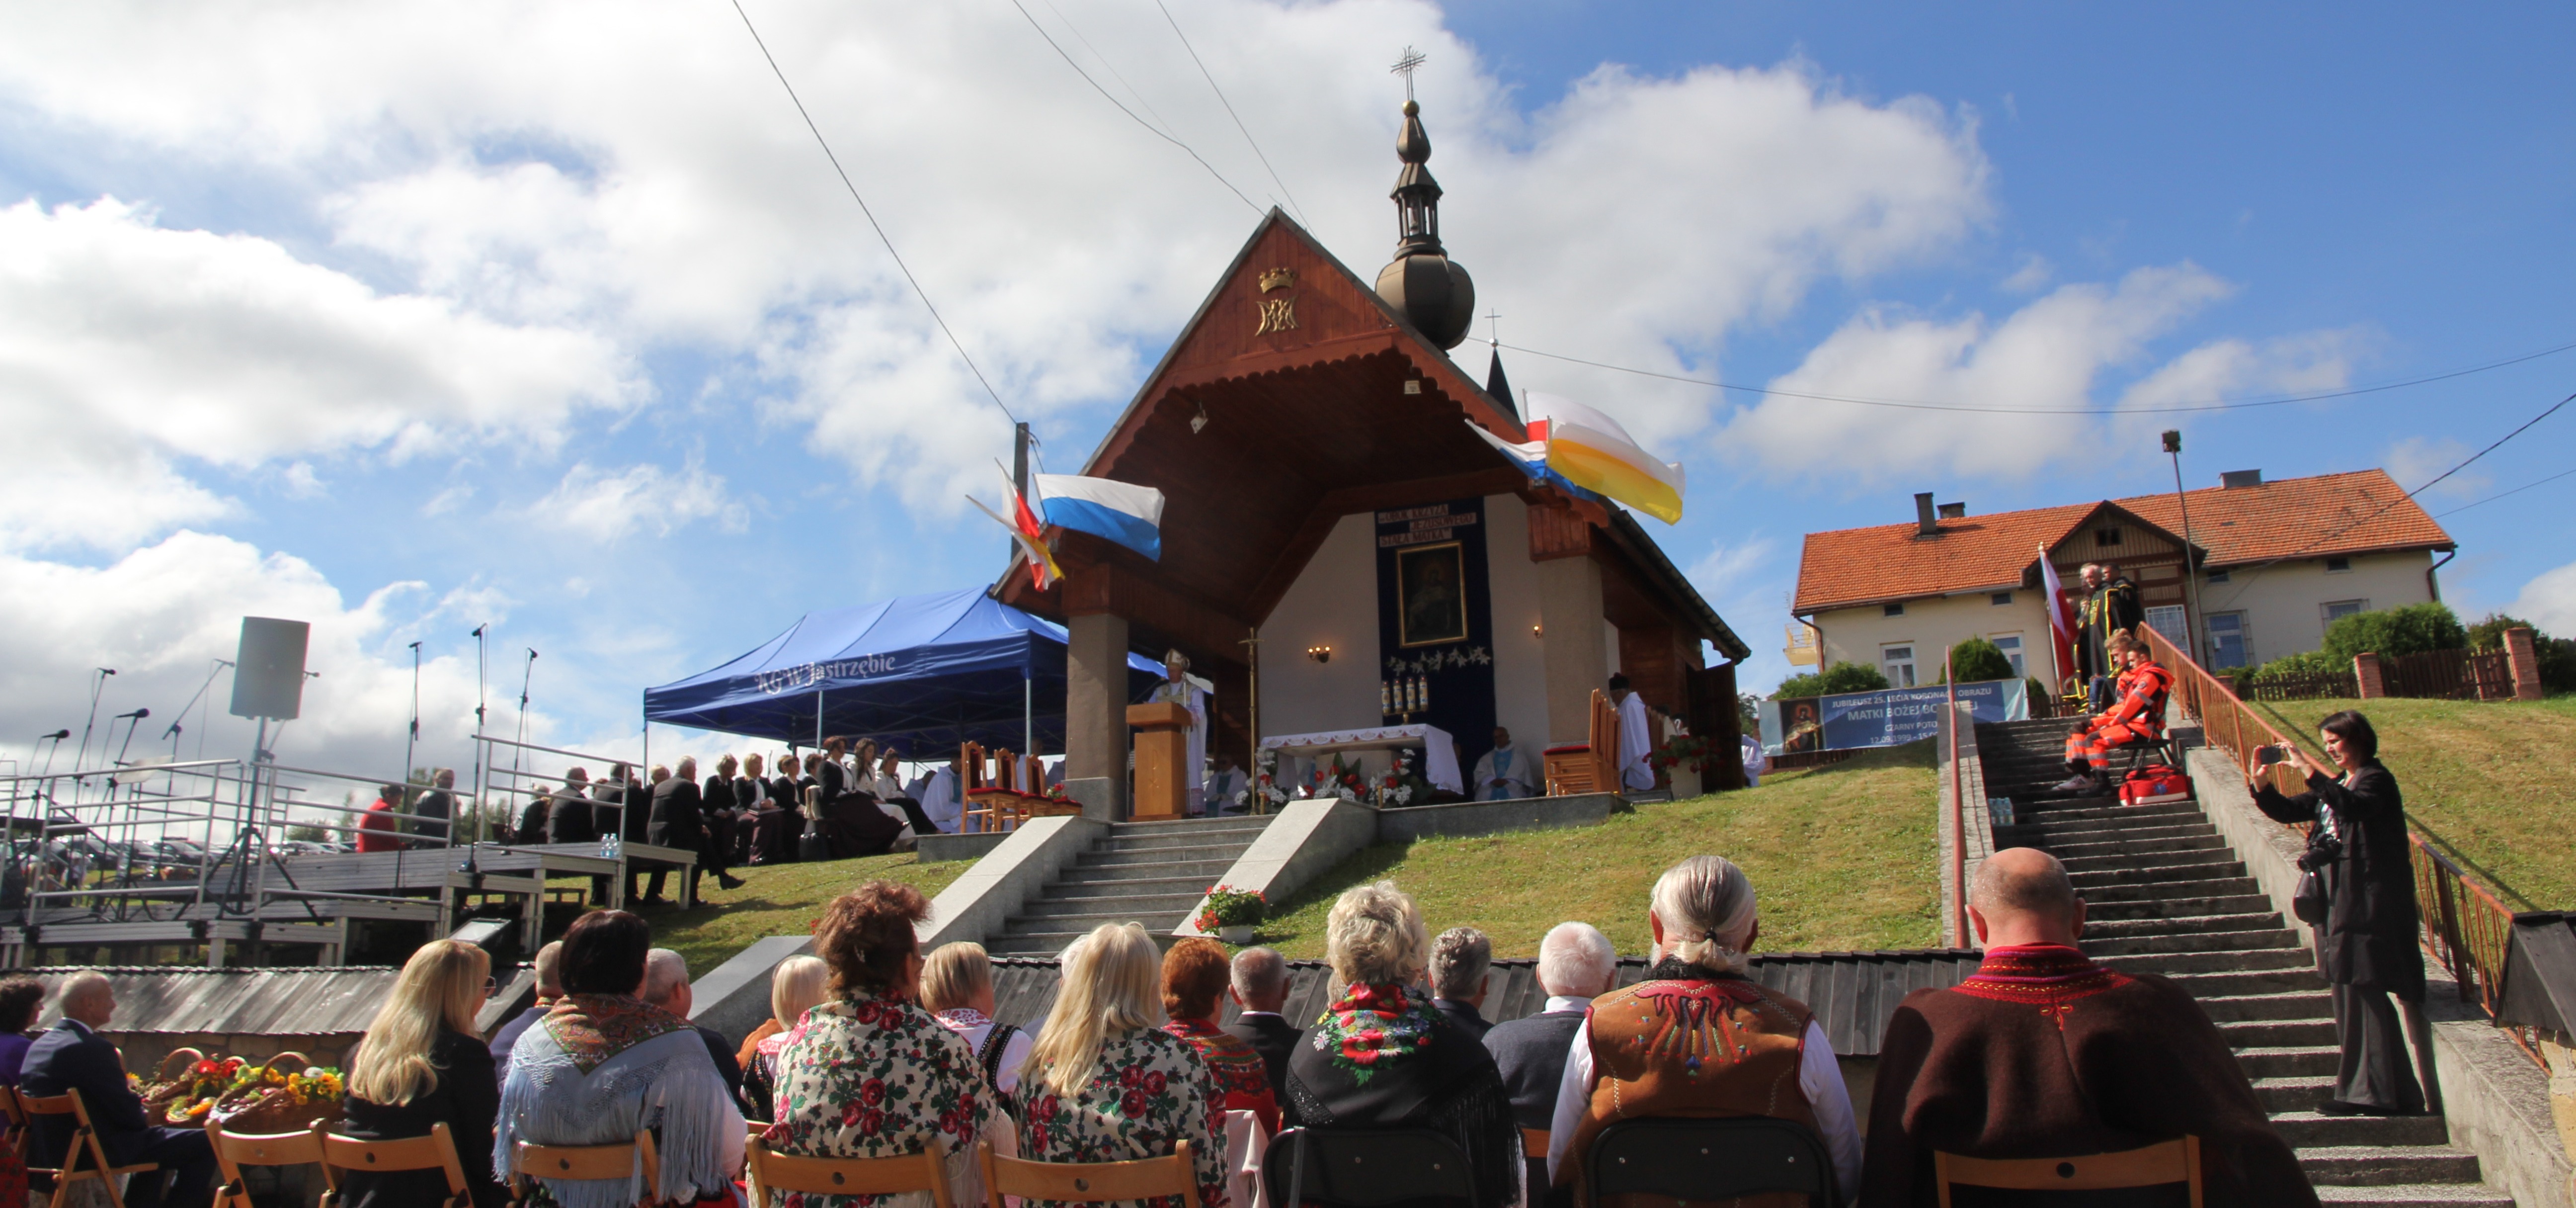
(532, 820)
(1260, 987)
(675, 822)
(435, 807)
(1575, 966)
(549, 964)
(568, 817)
(1462, 962)
(72, 1056)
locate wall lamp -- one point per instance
(1534, 632)
(1321, 654)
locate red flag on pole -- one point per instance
(2061, 621)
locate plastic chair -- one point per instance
(235, 1150)
(1694, 1159)
(1363, 1168)
(2164, 1164)
(437, 1151)
(84, 1158)
(1089, 1182)
(769, 1171)
(585, 1162)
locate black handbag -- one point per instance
(2310, 901)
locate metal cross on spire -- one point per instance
(1493, 327)
(1405, 65)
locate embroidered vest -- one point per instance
(1707, 1049)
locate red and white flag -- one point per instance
(2061, 619)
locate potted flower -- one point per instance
(1232, 914)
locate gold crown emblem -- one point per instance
(1278, 278)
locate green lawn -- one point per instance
(782, 899)
(2488, 780)
(1843, 857)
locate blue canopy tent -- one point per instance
(919, 672)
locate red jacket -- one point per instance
(376, 829)
(2141, 706)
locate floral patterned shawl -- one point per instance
(1384, 1057)
(1152, 1089)
(1240, 1074)
(879, 1077)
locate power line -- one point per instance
(1916, 405)
(1105, 61)
(1122, 105)
(873, 224)
(2501, 494)
(1229, 111)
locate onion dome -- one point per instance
(1422, 283)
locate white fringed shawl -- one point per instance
(665, 1082)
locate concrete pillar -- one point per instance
(2524, 658)
(1571, 634)
(1095, 714)
(2366, 673)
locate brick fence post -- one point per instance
(2366, 674)
(2525, 660)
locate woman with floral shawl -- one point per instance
(868, 1073)
(1104, 1084)
(603, 1065)
(1383, 1057)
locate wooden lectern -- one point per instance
(1162, 746)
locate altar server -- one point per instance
(1636, 735)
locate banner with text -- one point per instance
(1884, 718)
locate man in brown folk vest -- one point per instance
(2045, 1054)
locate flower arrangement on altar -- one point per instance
(1263, 795)
(1339, 779)
(1396, 787)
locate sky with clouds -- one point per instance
(406, 318)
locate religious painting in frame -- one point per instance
(1430, 594)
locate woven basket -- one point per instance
(272, 1109)
(168, 1085)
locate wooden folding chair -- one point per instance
(770, 1172)
(585, 1162)
(2165, 1163)
(976, 793)
(16, 1122)
(235, 1150)
(84, 1158)
(1088, 1182)
(1534, 1143)
(1033, 787)
(437, 1151)
(1592, 767)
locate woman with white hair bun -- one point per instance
(1698, 1038)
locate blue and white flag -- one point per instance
(1122, 512)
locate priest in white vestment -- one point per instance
(1636, 736)
(939, 800)
(1504, 773)
(1181, 688)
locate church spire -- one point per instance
(1422, 283)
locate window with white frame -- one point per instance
(2231, 644)
(2167, 619)
(2336, 610)
(1897, 662)
(2010, 644)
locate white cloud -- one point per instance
(2032, 277)
(1721, 570)
(2549, 601)
(606, 506)
(2416, 461)
(2047, 355)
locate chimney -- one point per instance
(1926, 523)
(2236, 479)
(1954, 511)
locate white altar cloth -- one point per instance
(1440, 753)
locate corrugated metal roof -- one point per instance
(240, 1002)
(1852, 993)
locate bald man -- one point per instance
(72, 1056)
(2045, 1054)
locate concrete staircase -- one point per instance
(2166, 895)
(1140, 872)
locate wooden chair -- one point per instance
(983, 800)
(585, 1162)
(1653, 1158)
(84, 1158)
(1366, 1168)
(1033, 786)
(16, 1122)
(1089, 1182)
(2166, 1163)
(1534, 1143)
(770, 1172)
(235, 1150)
(1593, 766)
(437, 1151)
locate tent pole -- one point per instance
(818, 719)
(1028, 716)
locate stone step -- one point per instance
(2137, 846)
(1127, 886)
(2192, 942)
(2097, 913)
(2168, 877)
(2223, 983)
(2170, 963)
(2371, 1165)
(2278, 1033)
(2306, 1062)
(2057, 835)
(1194, 826)
(1166, 866)
(2280, 1095)
(1072, 926)
(2418, 1195)
(2183, 889)
(2310, 1004)
(1139, 906)
(1231, 843)
(2115, 817)
(2171, 865)
(2184, 925)
(2309, 1130)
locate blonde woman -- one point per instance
(1105, 1083)
(1381, 1056)
(795, 987)
(420, 1064)
(957, 986)
(1698, 1037)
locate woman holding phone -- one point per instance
(2357, 844)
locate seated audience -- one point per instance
(532, 818)
(890, 792)
(666, 985)
(1194, 977)
(72, 1056)
(773, 839)
(941, 798)
(1698, 1037)
(1575, 965)
(571, 817)
(1382, 1056)
(2044, 1053)
(795, 987)
(21, 998)
(1462, 964)
(421, 1064)
(852, 823)
(1260, 988)
(378, 829)
(1103, 1084)
(2137, 716)
(549, 969)
(750, 804)
(603, 1064)
(957, 986)
(871, 1074)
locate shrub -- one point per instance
(2557, 655)
(1978, 659)
(2314, 662)
(2413, 629)
(1841, 677)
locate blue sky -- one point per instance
(405, 319)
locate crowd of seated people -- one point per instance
(878, 1049)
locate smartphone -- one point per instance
(2270, 755)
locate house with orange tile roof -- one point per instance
(2275, 562)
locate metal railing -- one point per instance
(2465, 926)
(1958, 814)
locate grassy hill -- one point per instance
(2489, 780)
(782, 899)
